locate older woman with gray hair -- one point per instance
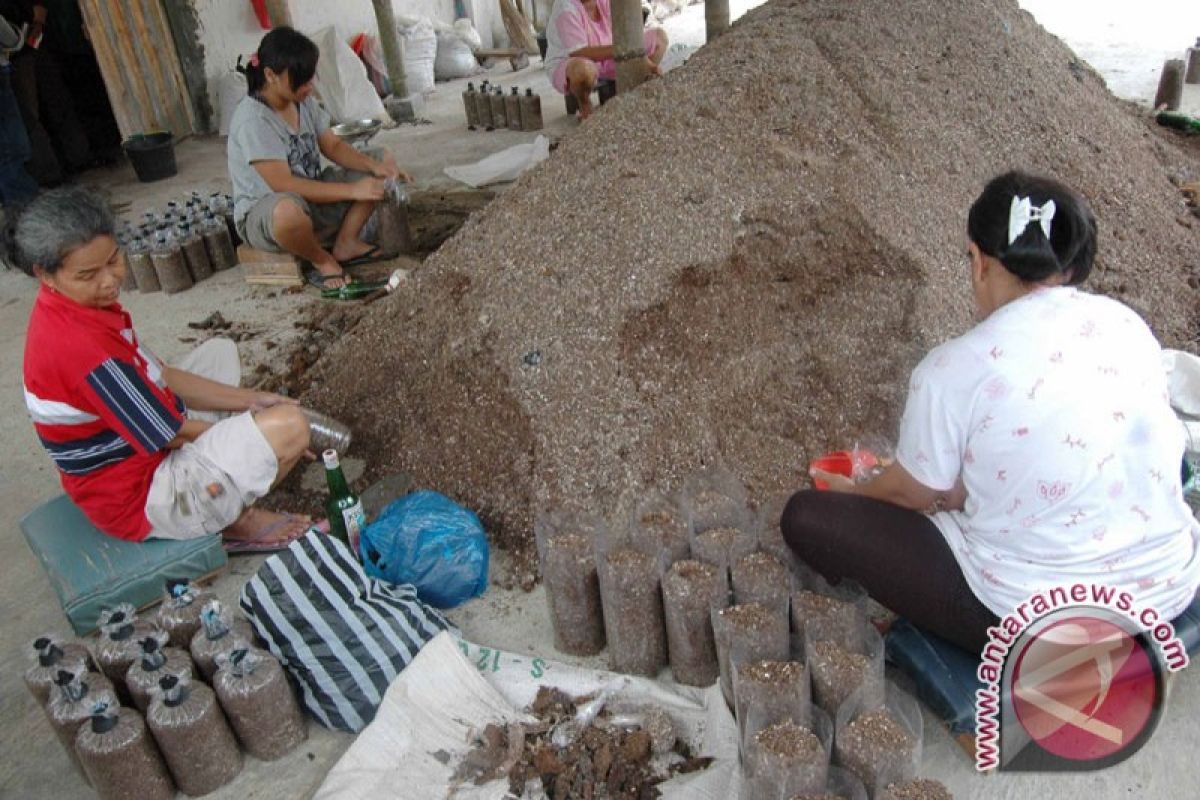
(145, 450)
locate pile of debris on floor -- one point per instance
(742, 261)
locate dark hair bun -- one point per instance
(1033, 257)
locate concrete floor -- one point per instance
(32, 764)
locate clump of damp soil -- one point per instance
(603, 760)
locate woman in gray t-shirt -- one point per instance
(283, 200)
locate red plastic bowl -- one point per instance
(841, 463)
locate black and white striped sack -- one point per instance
(342, 635)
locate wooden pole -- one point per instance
(393, 48)
(629, 50)
(716, 18)
(279, 13)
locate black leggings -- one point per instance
(897, 555)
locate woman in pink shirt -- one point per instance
(579, 50)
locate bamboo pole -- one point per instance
(279, 13)
(393, 48)
(629, 49)
(716, 18)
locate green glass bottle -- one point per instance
(344, 509)
(353, 291)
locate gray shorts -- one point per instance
(257, 229)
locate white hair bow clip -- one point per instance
(1022, 212)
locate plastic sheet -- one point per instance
(50, 654)
(192, 734)
(179, 614)
(256, 697)
(506, 165)
(156, 661)
(119, 756)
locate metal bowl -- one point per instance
(358, 130)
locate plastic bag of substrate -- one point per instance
(75, 691)
(179, 614)
(48, 654)
(117, 649)
(258, 700)
(157, 661)
(192, 734)
(120, 758)
(455, 57)
(218, 633)
(420, 51)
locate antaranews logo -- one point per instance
(1073, 680)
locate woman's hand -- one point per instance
(836, 482)
(257, 401)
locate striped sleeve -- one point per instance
(144, 415)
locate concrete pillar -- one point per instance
(279, 13)
(393, 48)
(629, 49)
(716, 18)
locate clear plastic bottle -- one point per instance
(512, 109)
(394, 233)
(483, 107)
(169, 263)
(468, 98)
(194, 253)
(139, 264)
(531, 111)
(216, 239)
(499, 116)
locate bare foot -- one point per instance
(266, 527)
(585, 108)
(344, 251)
(332, 267)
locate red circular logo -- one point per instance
(1084, 689)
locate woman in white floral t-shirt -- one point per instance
(1037, 450)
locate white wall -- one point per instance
(228, 29)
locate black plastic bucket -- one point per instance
(152, 155)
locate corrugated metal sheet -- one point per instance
(140, 66)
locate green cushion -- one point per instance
(91, 571)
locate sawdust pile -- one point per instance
(743, 260)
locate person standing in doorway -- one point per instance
(16, 185)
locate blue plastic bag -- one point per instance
(427, 540)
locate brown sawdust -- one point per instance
(742, 261)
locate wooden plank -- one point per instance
(141, 69)
(119, 96)
(248, 255)
(277, 269)
(126, 47)
(177, 93)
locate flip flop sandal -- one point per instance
(370, 257)
(264, 541)
(321, 280)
